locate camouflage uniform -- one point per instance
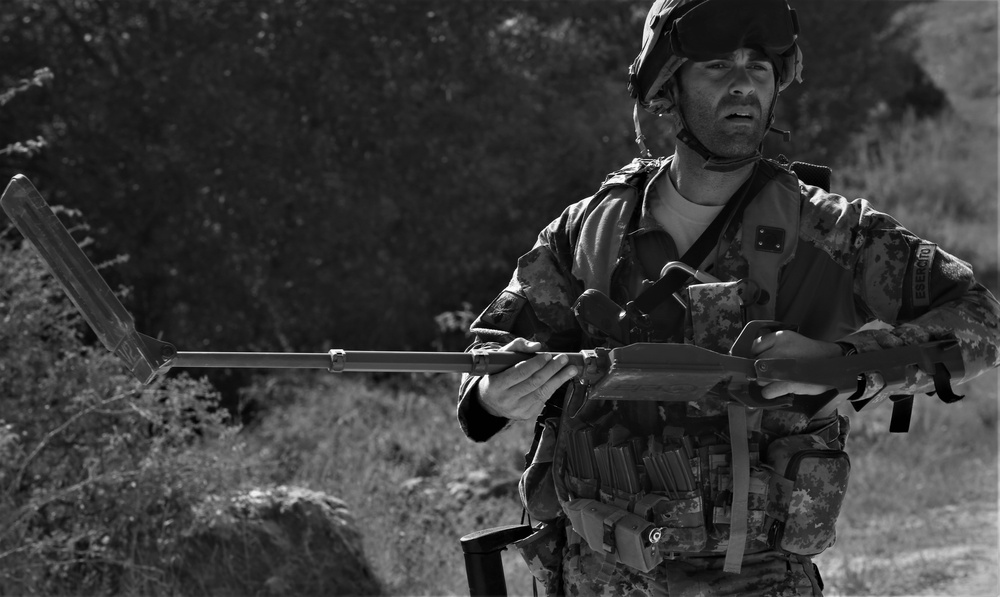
(852, 265)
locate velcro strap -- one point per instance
(942, 384)
(610, 522)
(607, 569)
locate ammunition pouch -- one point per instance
(807, 491)
(676, 489)
(716, 313)
(613, 531)
(665, 497)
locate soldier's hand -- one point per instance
(521, 391)
(786, 344)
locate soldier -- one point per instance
(711, 477)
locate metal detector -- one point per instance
(638, 371)
(145, 357)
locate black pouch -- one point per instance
(807, 494)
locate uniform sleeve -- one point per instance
(920, 291)
(536, 305)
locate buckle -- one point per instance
(338, 360)
(480, 361)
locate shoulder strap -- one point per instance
(667, 285)
(634, 174)
(598, 235)
(812, 174)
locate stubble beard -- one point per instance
(704, 123)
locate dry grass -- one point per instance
(394, 453)
(914, 515)
(921, 510)
(938, 177)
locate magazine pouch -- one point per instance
(807, 493)
(615, 532)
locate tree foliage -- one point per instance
(299, 174)
(97, 475)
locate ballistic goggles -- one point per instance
(710, 29)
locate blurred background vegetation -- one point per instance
(300, 175)
(292, 174)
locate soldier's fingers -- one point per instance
(778, 389)
(528, 408)
(556, 381)
(546, 373)
(540, 386)
(522, 372)
(763, 343)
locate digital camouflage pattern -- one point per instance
(818, 492)
(716, 314)
(543, 552)
(807, 491)
(764, 575)
(852, 265)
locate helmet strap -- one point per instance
(640, 139)
(714, 163)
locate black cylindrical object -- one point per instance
(483, 565)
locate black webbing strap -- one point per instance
(902, 405)
(942, 384)
(813, 174)
(667, 285)
(902, 408)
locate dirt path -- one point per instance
(958, 555)
(976, 562)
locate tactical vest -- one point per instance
(644, 481)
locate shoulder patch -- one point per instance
(833, 224)
(923, 259)
(637, 170)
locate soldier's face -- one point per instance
(726, 102)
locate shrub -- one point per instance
(937, 176)
(97, 473)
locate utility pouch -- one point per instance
(542, 552)
(716, 312)
(680, 520)
(611, 530)
(806, 494)
(537, 486)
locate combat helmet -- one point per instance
(680, 30)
